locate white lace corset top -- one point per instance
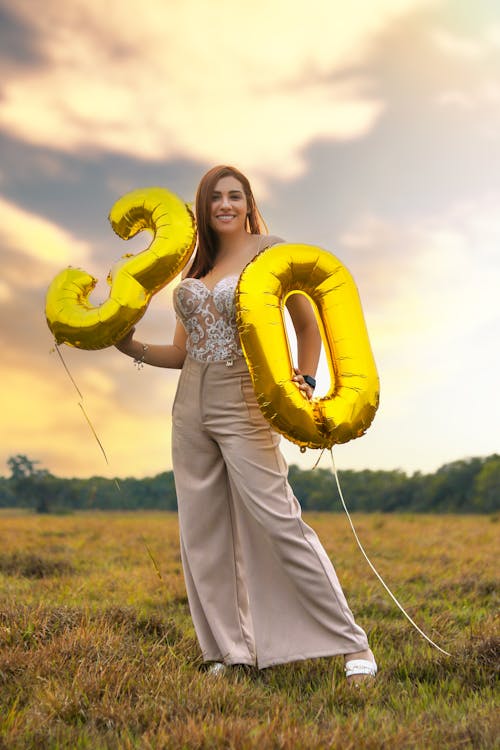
(209, 317)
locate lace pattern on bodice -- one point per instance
(209, 317)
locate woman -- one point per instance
(261, 588)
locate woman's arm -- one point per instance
(158, 355)
(308, 340)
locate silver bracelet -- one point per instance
(139, 361)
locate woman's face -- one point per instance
(229, 206)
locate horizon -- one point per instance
(409, 475)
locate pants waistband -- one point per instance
(235, 364)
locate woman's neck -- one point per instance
(233, 245)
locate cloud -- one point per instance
(250, 83)
(37, 239)
(431, 280)
(18, 43)
(431, 307)
(469, 91)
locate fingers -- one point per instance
(306, 391)
(303, 387)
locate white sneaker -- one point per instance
(217, 669)
(360, 667)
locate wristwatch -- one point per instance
(310, 381)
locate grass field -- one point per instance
(97, 648)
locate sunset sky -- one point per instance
(370, 128)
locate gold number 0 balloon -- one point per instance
(75, 321)
(348, 408)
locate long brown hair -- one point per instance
(207, 246)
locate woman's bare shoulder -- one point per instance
(272, 239)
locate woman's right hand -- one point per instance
(303, 387)
(123, 345)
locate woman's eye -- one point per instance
(231, 196)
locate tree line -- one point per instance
(470, 485)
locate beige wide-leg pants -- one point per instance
(261, 588)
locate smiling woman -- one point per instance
(224, 204)
(250, 562)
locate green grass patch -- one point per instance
(97, 649)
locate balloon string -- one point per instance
(116, 482)
(319, 459)
(82, 407)
(93, 432)
(373, 567)
(70, 376)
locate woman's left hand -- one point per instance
(304, 387)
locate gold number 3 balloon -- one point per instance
(75, 321)
(348, 408)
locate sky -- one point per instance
(369, 128)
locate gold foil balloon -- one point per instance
(348, 408)
(134, 279)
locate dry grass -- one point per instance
(97, 651)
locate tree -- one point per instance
(486, 497)
(31, 485)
